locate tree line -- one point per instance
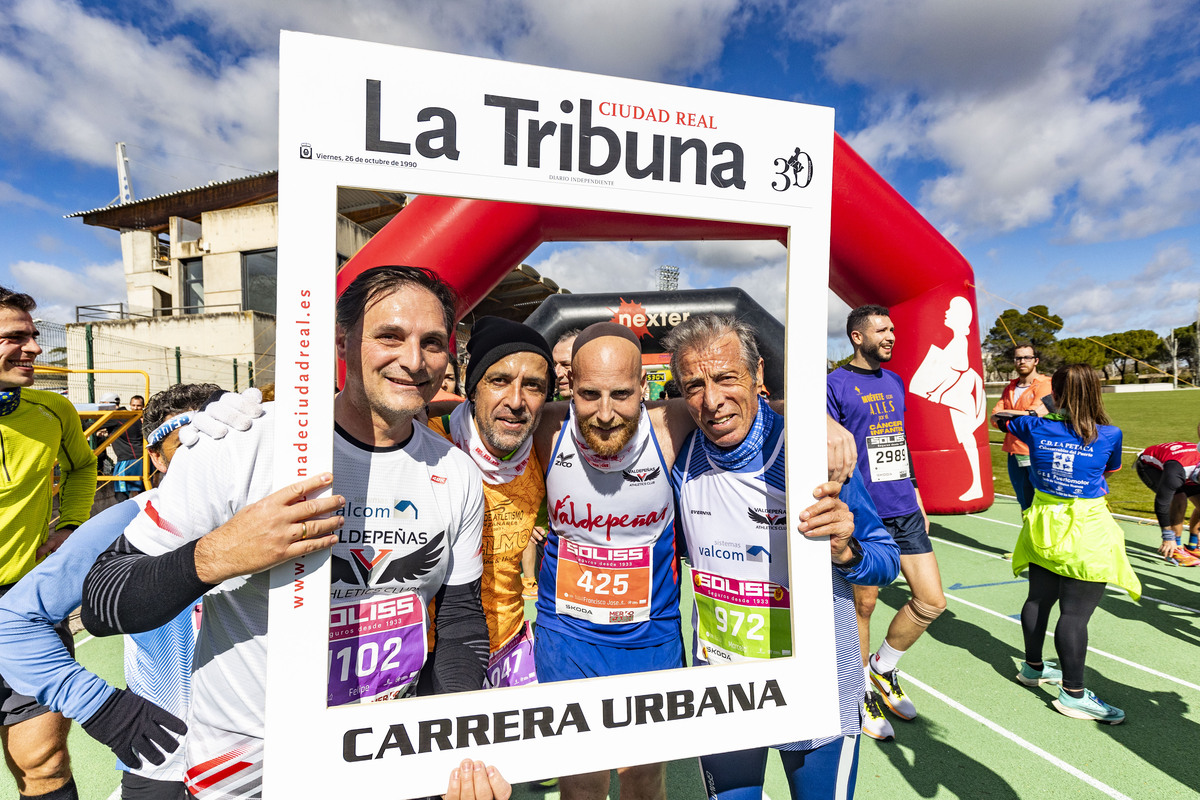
(1117, 355)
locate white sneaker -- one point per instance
(893, 696)
(874, 723)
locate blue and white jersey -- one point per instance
(735, 525)
(1062, 465)
(158, 666)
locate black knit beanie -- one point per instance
(493, 338)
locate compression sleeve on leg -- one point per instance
(921, 614)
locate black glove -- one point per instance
(133, 727)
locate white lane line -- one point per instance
(997, 521)
(1154, 559)
(84, 641)
(1091, 649)
(965, 547)
(1012, 737)
(1113, 589)
(1125, 517)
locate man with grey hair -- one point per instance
(609, 453)
(734, 474)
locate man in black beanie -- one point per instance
(508, 379)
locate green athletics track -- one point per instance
(979, 733)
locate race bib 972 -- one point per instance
(741, 619)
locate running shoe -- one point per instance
(893, 696)
(1032, 677)
(875, 724)
(1182, 558)
(529, 588)
(1193, 549)
(1088, 707)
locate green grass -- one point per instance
(1145, 418)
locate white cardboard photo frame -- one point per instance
(324, 133)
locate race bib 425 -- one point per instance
(603, 585)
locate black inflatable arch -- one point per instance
(653, 314)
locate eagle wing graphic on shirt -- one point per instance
(764, 519)
(646, 478)
(415, 564)
(342, 571)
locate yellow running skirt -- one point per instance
(1076, 538)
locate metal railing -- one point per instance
(101, 417)
(105, 311)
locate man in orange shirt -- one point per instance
(1023, 394)
(509, 377)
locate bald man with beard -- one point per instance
(608, 591)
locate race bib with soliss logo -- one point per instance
(603, 585)
(888, 456)
(741, 619)
(377, 647)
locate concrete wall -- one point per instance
(208, 344)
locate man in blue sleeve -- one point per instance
(729, 485)
(157, 663)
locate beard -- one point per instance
(615, 440)
(872, 352)
(506, 441)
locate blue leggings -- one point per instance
(826, 773)
(1022, 485)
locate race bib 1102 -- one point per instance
(377, 647)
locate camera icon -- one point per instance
(306, 150)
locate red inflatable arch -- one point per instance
(881, 251)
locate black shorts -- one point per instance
(14, 706)
(909, 532)
(136, 787)
(1151, 475)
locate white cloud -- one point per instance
(667, 39)
(58, 290)
(11, 195)
(600, 267)
(74, 81)
(72, 84)
(1159, 296)
(1034, 111)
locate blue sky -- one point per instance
(1057, 145)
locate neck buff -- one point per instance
(9, 400)
(750, 449)
(628, 455)
(465, 435)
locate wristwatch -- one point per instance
(856, 557)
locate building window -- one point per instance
(162, 303)
(193, 285)
(258, 281)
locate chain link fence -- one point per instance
(73, 349)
